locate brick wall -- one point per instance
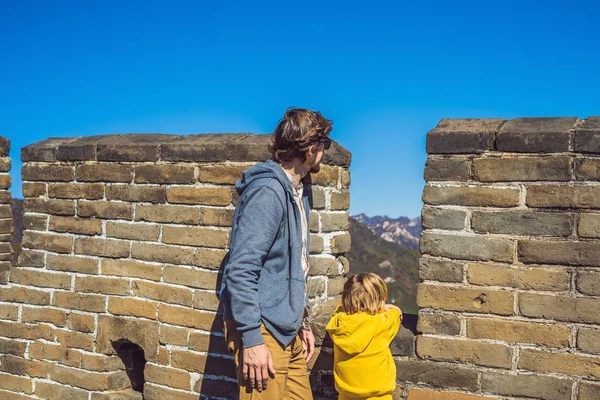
(510, 293)
(124, 239)
(6, 221)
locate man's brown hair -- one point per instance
(296, 132)
(364, 293)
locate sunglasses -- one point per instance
(326, 142)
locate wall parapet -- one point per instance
(510, 285)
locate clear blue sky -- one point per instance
(385, 72)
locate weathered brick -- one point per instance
(465, 135)
(53, 173)
(167, 376)
(56, 207)
(97, 284)
(588, 282)
(102, 247)
(183, 316)
(560, 308)
(20, 366)
(173, 335)
(519, 332)
(209, 258)
(195, 236)
(335, 286)
(558, 196)
(588, 340)
(144, 333)
(76, 340)
(81, 322)
(88, 380)
(5, 164)
(334, 221)
(135, 193)
(5, 211)
(17, 294)
(35, 222)
(443, 218)
(447, 169)
(323, 266)
(587, 169)
(339, 243)
(199, 195)
(480, 196)
(345, 179)
(216, 216)
(535, 386)
(327, 176)
(536, 278)
(532, 135)
(109, 172)
(528, 223)
(589, 225)
(169, 214)
(469, 351)
(152, 392)
(47, 241)
(82, 226)
(38, 278)
(26, 331)
(589, 391)
(316, 199)
(508, 169)
(130, 268)
(40, 350)
(440, 270)
(438, 323)
(465, 299)
(33, 189)
(30, 258)
(192, 277)
(162, 292)
(77, 301)
(560, 363)
(221, 174)
(52, 391)
(164, 174)
(132, 307)
(72, 263)
(16, 383)
(200, 341)
(91, 191)
(467, 247)
(104, 209)
(436, 374)
(316, 244)
(92, 362)
(5, 181)
(315, 287)
(206, 300)
(6, 226)
(132, 230)
(587, 135)
(164, 356)
(340, 201)
(9, 311)
(314, 221)
(559, 252)
(163, 253)
(13, 347)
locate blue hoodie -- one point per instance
(263, 281)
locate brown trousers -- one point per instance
(291, 377)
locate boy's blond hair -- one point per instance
(364, 293)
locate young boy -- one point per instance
(362, 329)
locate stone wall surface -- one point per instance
(510, 281)
(113, 294)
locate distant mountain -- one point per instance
(403, 231)
(396, 264)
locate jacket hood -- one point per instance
(268, 169)
(352, 333)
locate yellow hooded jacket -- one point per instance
(363, 366)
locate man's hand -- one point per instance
(308, 343)
(257, 366)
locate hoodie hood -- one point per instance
(352, 333)
(268, 169)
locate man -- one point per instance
(264, 280)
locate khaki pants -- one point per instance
(291, 377)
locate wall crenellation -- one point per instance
(509, 253)
(124, 239)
